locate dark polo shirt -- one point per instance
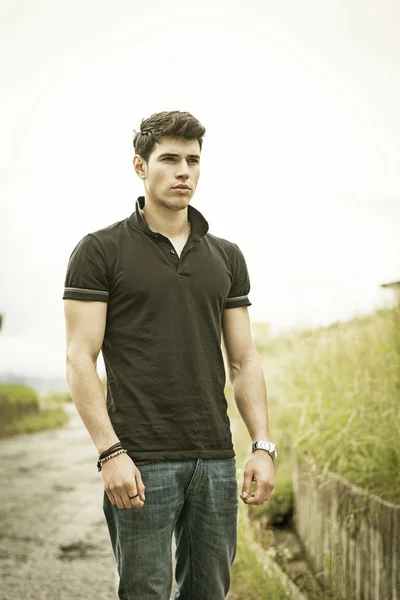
(162, 343)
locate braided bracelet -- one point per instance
(117, 446)
(102, 460)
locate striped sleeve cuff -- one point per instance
(72, 293)
(237, 301)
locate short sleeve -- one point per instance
(86, 277)
(240, 288)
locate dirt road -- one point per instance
(54, 542)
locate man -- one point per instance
(154, 292)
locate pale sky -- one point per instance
(300, 163)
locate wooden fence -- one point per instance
(352, 539)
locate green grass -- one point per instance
(46, 419)
(336, 400)
(17, 400)
(20, 411)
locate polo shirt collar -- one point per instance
(198, 223)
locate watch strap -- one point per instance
(267, 446)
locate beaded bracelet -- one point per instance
(102, 460)
(117, 446)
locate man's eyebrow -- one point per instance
(177, 155)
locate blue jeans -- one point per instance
(197, 501)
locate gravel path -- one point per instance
(54, 542)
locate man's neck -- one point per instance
(170, 223)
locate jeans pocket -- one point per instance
(142, 463)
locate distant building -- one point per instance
(395, 287)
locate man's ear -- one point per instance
(140, 166)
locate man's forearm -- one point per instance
(250, 394)
(88, 396)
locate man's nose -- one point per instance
(183, 169)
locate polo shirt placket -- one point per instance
(191, 242)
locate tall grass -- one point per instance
(336, 394)
(46, 419)
(20, 411)
(17, 400)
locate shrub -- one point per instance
(16, 401)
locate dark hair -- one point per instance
(174, 123)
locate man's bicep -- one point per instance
(237, 336)
(85, 323)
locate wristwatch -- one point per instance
(268, 446)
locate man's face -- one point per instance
(174, 162)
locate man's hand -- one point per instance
(123, 479)
(259, 468)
